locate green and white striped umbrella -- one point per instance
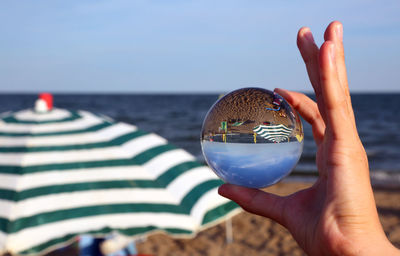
(65, 173)
(274, 133)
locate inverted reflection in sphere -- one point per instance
(252, 137)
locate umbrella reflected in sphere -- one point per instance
(252, 137)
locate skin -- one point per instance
(337, 215)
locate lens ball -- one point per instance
(252, 137)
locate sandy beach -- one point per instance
(254, 235)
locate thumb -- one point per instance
(255, 201)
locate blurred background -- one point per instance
(188, 46)
(160, 65)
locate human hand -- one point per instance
(337, 215)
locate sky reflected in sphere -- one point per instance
(252, 137)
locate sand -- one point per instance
(254, 235)
(246, 105)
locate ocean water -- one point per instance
(252, 165)
(179, 117)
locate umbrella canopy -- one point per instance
(274, 133)
(65, 173)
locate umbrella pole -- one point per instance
(229, 231)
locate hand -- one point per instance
(337, 215)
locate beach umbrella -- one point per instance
(274, 133)
(65, 173)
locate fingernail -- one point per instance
(222, 190)
(332, 52)
(339, 32)
(308, 35)
(280, 90)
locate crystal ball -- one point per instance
(252, 137)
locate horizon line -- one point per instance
(166, 92)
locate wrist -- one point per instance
(371, 247)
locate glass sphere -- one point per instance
(252, 137)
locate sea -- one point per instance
(179, 117)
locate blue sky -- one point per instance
(188, 46)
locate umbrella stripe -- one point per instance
(126, 231)
(161, 182)
(105, 134)
(139, 159)
(79, 199)
(92, 128)
(280, 137)
(115, 142)
(74, 115)
(271, 127)
(51, 190)
(47, 246)
(61, 215)
(275, 133)
(42, 179)
(267, 132)
(173, 194)
(85, 212)
(272, 130)
(7, 194)
(41, 234)
(219, 211)
(275, 128)
(32, 115)
(267, 135)
(208, 201)
(87, 119)
(125, 151)
(167, 177)
(163, 162)
(197, 192)
(3, 225)
(210, 216)
(150, 170)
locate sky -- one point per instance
(176, 46)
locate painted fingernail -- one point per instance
(339, 32)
